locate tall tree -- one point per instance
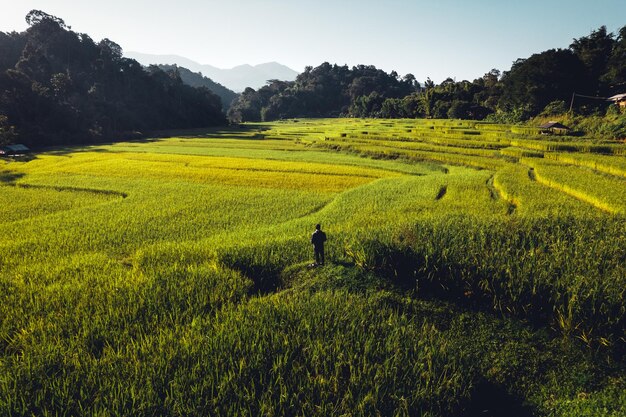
(594, 51)
(63, 87)
(7, 132)
(615, 75)
(545, 77)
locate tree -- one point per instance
(615, 75)
(111, 49)
(554, 108)
(392, 108)
(594, 51)
(367, 106)
(58, 86)
(36, 17)
(545, 77)
(246, 107)
(491, 78)
(411, 81)
(459, 110)
(7, 132)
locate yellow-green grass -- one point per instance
(516, 184)
(602, 191)
(170, 277)
(614, 165)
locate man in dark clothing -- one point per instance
(317, 239)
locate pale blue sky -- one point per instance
(462, 39)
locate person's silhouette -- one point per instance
(317, 239)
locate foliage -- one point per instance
(198, 80)
(609, 127)
(7, 133)
(592, 66)
(324, 91)
(59, 86)
(541, 79)
(556, 108)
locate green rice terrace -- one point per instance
(472, 269)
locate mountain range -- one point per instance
(236, 78)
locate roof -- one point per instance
(13, 148)
(617, 97)
(553, 125)
(18, 147)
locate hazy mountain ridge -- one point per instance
(236, 78)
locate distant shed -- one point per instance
(9, 150)
(554, 128)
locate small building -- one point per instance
(554, 128)
(10, 150)
(619, 100)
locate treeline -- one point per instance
(196, 79)
(58, 86)
(593, 66)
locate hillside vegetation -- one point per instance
(194, 79)
(592, 68)
(471, 267)
(60, 87)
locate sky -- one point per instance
(460, 39)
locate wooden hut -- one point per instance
(551, 128)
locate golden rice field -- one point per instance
(471, 267)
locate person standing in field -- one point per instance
(317, 239)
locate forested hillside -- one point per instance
(59, 86)
(593, 66)
(195, 79)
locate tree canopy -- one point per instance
(58, 86)
(593, 65)
(324, 91)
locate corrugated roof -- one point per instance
(16, 148)
(13, 148)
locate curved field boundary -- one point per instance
(517, 185)
(378, 151)
(597, 203)
(586, 185)
(498, 193)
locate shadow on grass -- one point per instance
(10, 177)
(491, 400)
(68, 150)
(240, 131)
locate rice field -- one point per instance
(471, 267)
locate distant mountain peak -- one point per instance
(236, 78)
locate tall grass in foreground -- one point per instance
(568, 273)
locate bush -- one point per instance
(554, 108)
